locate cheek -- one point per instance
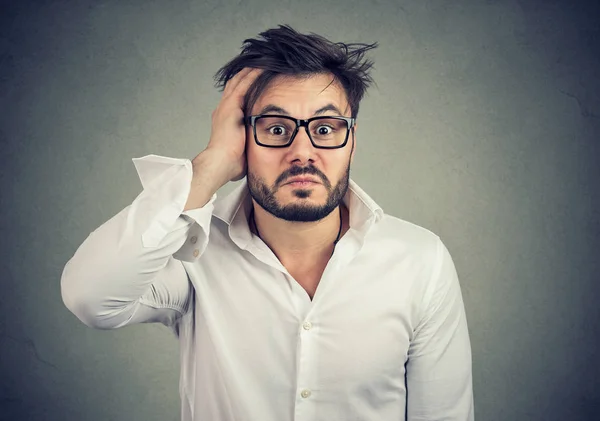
(337, 168)
(253, 154)
(258, 158)
(262, 163)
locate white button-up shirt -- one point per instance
(384, 338)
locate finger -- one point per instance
(241, 87)
(235, 80)
(231, 83)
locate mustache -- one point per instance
(297, 171)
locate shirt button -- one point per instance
(196, 252)
(193, 239)
(305, 393)
(307, 325)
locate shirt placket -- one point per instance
(307, 353)
(307, 311)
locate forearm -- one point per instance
(208, 176)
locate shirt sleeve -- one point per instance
(129, 270)
(438, 370)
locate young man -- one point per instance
(295, 297)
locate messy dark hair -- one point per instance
(283, 51)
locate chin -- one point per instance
(304, 195)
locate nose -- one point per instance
(301, 148)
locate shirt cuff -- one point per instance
(168, 180)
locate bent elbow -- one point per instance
(80, 300)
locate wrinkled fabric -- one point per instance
(385, 336)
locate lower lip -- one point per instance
(301, 183)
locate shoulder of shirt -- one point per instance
(401, 239)
(408, 235)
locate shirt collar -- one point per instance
(234, 210)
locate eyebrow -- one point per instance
(275, 109)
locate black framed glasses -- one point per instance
(279, 131)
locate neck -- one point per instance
(299, 241)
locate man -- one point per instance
(295, 297)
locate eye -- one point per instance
(323, 130)
(277, 130)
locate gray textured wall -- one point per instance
(484, 128)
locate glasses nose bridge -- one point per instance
(302, 123)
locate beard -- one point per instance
(298, 212)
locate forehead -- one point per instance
(302, 94)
